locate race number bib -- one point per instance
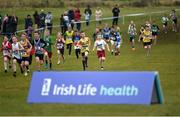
(60, 46)
(69, 38)
(106, 33)
(37, 48)
(5, 52)
(24, 53)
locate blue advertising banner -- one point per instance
(95, 88)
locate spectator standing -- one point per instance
(87, 13)
(48, 21)
(87, 18)
(71, 17)
(77, 15)
(0, 22)
(28, 25)
(98, 15)
(4, 24)
(14, 23)
(42, 16)
(115, 12)
(62, 24)
(36, 19)
(9, 28)
(66, 21)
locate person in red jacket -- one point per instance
(77, 17)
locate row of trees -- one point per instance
(63, 3)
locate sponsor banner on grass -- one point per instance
(94, 88)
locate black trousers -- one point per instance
(69, 47)
(62, 29)
(78, 26)
(87, 22)
(77, 51)
(49, 27)
(115, 21)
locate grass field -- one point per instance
(165, 58)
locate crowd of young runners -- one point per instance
(20, 50)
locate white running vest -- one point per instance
(16, 50)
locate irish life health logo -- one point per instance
(83, 88)
(46, 87)
(86, 89)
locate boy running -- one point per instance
(100, 46)
(25, 53)
(106, 33)
(77, 46)
(69, 39)
(112, 39)
(164, 21)
(174, 20)
(97, 32)
(39, 45)
(48, 48)
(155, 30)
(147, 23)
(118, 41)
(6, 49)
(85, 44)
(140, 33)
(16, 54)
(60, 42)
(147, 36)
(132, 33)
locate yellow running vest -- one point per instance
(147, 36)
(69, 36)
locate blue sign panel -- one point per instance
(92, 87)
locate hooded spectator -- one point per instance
(71, 17)
(87, 14)
(36, 19)
(0, 22)
(62, 24)
(4, 24)
(14, 23)
(42, 17)
(42, 25)
(77, 17)
(28, 25)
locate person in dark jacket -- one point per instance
(0, 22)
(28, 21)
(42, 16)
(36, 19)
(62, 24)
(4, 23)
(28, 25)
(115, 12)
(14, 23)
(88, 11)
(71, 17)
(9, 28)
